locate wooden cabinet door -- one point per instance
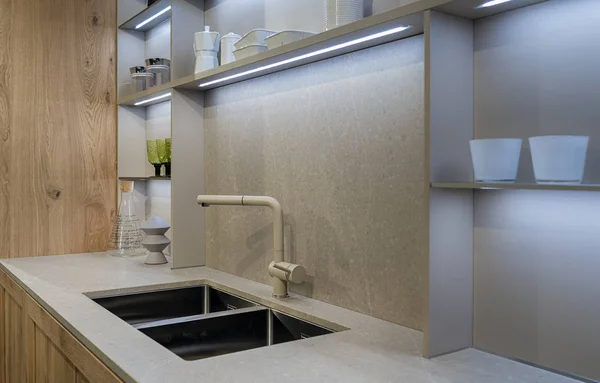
(34, 347)
(13, 319)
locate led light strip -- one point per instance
(308, 55)
(152, 99)
(492, 3)
(167, 9)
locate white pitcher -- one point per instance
(206, 47)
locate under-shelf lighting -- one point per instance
(153, 99)
(492, 3)
(167, 9)
(311, 54)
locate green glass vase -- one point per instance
(153, 158)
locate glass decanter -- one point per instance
(126, 235)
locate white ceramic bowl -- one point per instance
(285, 37)
(255, 36)
(249, 50)
(558, 159)
(496, 159)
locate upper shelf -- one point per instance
(149, 17)
(393, 25)
(396, 24)
(515, 186)
(148, 97)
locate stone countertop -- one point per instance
(372, 350)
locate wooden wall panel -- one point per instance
(57, 125)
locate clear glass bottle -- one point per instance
(126, 235)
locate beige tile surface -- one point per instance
(371, 351)
(340, 143)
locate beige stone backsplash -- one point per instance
(343, 151)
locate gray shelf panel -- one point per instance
(147, 13)
(158, 93)
(515, 186)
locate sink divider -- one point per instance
(191, 318)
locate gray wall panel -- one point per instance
(537, 291)
(449, 47)
(340, 144)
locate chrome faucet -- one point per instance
(281, 272)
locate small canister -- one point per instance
(227, 47)
(140, 80)
(161, 68)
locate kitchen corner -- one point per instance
(371, 350)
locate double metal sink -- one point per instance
(201, 321)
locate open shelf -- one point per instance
(368, 32)
(145, 178)
(154, 95)
(399, 23)
(515, 186)
(148, 13)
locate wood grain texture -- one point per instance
(14, 355)
(58, 126)
(34, 347)
(75, 352)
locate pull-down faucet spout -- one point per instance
(280, 271)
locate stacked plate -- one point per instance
(340, 12)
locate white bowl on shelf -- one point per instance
(558, 159)
(249, 50)
(255, 36)
(285, 37)
(496, 159)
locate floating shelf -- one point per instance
(365, 33)
(368, 32)
(154, 95)
(515, 186)
(145, 178)
(148, 13)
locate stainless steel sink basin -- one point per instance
(201, 321)
(173, 303)
(228, 332)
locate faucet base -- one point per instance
(280, 288)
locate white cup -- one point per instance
(558, 159)
(496, 159)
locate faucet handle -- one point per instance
(287, 272)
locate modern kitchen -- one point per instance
(299, 191)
